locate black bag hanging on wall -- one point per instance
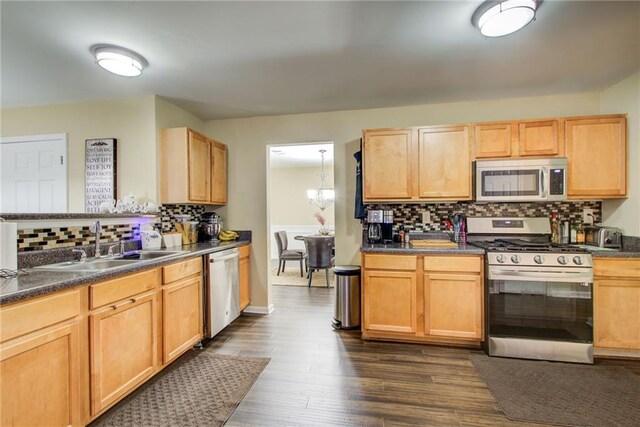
(359, 210)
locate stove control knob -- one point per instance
(562, 259)
(515, 259)
(538, 259)
(500, 258)
(577, 260)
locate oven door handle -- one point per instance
(537, 275)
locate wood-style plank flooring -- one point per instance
(318, 376)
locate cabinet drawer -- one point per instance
(464, 264)
(26, 317)
(244, 251)
(390, 262)
(616, 267)
(182, 269)
(115, 290)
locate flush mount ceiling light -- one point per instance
(499, 18)
(118, 60)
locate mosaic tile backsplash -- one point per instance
(410, 215)
(31, 239)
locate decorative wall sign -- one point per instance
(100, 173)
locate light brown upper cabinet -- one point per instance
(386, 164)
(494, 139)
(597, 154)
(523, 138)
(417, 164)
(193, 168)
(444, 170)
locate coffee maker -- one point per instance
(380, 225)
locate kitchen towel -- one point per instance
(360, 212)
(8, 245)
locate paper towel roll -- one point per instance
(8, 245)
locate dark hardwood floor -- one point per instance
(318, 376)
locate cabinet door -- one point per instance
(453, 305)
(597, 155)
(539, 138)
(390, 301)
(617, 313)
(123, 346)
(445, 163)
(245, 282)
(493, 140)
(40, 383)
(182, 320)
(199, 168)
(387, 165)
(218, 173)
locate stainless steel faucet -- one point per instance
(95, 228)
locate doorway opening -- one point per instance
(300, 196)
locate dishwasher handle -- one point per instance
(213, 259)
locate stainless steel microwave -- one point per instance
(522, 180)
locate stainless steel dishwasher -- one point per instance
(222, 291)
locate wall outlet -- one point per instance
(426, 217)
(587, 216)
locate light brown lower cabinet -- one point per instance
(244, 274)
(123, 339)
(40, 362)
(617, 304)
(423, 298)
(181, 316)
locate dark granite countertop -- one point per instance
(599, 253)
(53, 216)
(40, 282)
(407, 249)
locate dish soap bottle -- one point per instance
(555, 230)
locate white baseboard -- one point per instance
(252, 309)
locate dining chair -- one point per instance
(285, 254)
(319, 255)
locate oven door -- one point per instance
(512, 184)
(550, 303)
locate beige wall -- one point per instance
(248, 138)
(129, 120)
(288, 196)
(624, 97)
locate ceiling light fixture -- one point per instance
(323, 197)
(499, 18)
(118, 60)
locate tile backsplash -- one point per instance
(410, 215)
(166, 214)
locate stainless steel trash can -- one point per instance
(347, 309)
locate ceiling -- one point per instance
(300, 156)
(240, 59)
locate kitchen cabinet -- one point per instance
(390, 294)
(616, 303)
(40, 361)
(444, 166)
(494, 139)
(193, 168)
(124, 337)
(515, 139)
(182, 318)
(430, 298)
(596, 149)
(244, 274)
(453, 294)
(387, 164)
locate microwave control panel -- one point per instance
(556, 182)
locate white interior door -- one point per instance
(33, 171)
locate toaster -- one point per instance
(604, 237)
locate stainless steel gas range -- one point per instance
(539, 297)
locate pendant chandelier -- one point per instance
(323, 197)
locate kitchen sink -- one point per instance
(102, 264)
(143, 255)
(91, 265)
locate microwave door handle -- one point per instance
(543, 182)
